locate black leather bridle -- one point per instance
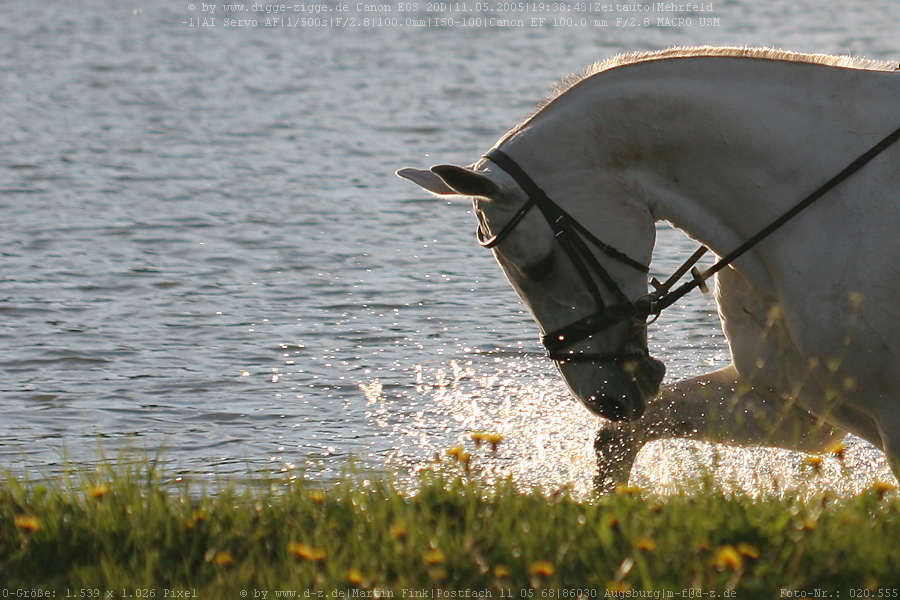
(574, 238)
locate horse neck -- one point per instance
(719, 147)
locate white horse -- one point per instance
(720, 142)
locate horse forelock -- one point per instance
(630, 58)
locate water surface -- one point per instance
(204, 247)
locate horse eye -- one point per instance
(540, 270)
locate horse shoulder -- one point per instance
(742, 307)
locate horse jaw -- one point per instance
(615, 391)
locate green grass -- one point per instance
(125, 528)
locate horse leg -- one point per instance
(890, 442)
(616, 447)
(716, 408)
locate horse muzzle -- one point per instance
(616, 391)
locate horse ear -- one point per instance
(466, 182)
(427, 180)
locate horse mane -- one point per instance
(631, 58)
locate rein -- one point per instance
(573, 238)
(663, 298)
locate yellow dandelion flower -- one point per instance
(460, 454)
(317, 496)
(814, 462)
(98, 491)
(494, 440)
(728, 557)
(196, 517)
(27, 523)
(455, 451)
(647, 544)
(883, 487)
(355, 576)
(483, 437)
(748, 550)
(307, 552)
(223, 558)
(838, 449)
(434, 557)
(542, 568)
(398, 531)
(501, 571)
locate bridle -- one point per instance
(574, 238)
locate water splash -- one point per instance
(547, 439)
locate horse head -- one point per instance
(584, 294)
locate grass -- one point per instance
(125, 528)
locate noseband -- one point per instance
(573, 238)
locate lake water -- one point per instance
(205, 249)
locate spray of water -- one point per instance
(547, 439)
